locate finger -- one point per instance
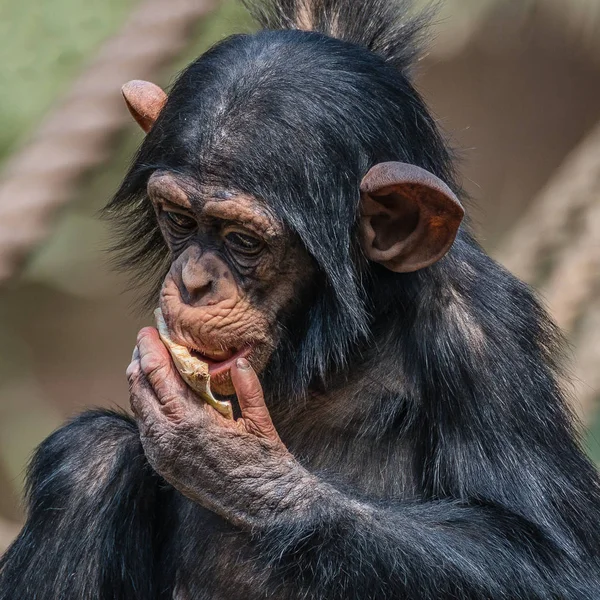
(143, 400)
(252, 400)
(153, 354)
(158, 367)
(134, 368)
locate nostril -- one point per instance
(194, 294)
(197, 294)
(196, 284)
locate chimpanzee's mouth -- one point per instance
(211, 356)
(219, 361)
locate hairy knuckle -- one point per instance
(136, 397)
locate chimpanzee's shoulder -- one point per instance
(87, 448)
(103, 421)
(91, 516)
(91, 427)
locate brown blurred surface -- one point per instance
(514, 101)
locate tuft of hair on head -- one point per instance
(390, 28)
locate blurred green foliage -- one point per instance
(44, 44)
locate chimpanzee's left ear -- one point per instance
(409, 217)
(144, 100)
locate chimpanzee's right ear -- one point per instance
(144, 100)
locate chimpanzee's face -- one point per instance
(234, 269)
(238, 277)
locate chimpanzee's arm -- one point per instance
(326, 543)
(90, 531)
(342, 549)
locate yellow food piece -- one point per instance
(192, 370)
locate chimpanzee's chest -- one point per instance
(210, 559)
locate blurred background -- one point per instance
(515, 85)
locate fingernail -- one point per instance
(243, 364)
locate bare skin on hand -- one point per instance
(239, 468)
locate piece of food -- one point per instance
(192, 370)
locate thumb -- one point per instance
(252, 400)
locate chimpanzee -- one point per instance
(299, 205)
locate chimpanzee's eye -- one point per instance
(180, 221)
(243, 243)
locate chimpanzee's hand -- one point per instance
(238, 469)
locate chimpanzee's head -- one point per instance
(286, 178)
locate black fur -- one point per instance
(94, 519)
(431, 396)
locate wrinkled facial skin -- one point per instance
(234, 271)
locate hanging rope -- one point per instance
(77, 134)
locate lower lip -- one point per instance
(218, 368)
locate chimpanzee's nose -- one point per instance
(198, 282)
